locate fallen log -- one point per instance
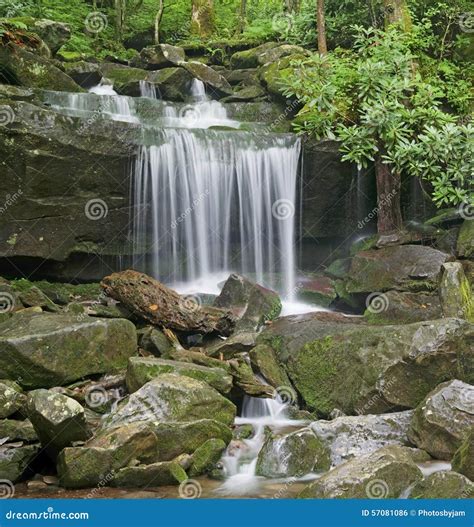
(152, 301)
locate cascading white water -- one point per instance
(147, 89)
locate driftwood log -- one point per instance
(152, 301)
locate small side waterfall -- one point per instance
(147, 89)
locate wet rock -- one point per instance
(154, 341)
(243, 432)
(143, 369)
(54, 34)
(14, 430)
(338, 362)
(265, 362)
(443, 485)
(12, 398)
(14, 461)
(86, 74)
(403, 267)
(206, 456)
(196, 357)
(158, 57)
(317, 290)
(403, 307)
(48, 350)
(294, 454)
(121, 76)
(385, 473)
(246, 380)
(33, 71)
(465, 243)
(228, 348)
(154, 475)
(173, 84)
(353, 436)
(58, 420)
(463, 460)
(171, 398)
(253, 304)
(455, 292)
(34, 297)
(211, 78)
(443, 419)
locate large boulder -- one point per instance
(253, 304)
(443, 485)
(463, 460)
(158, 57)
(294, 454)
(465, 242)
(121, 75)
(86, 74)
(206, 456)
(14, 461)
(13, 430)
(401, 267)
(58, 420)
(444, 419)
(455, 292)
(12, 398)
(173, 84)
(213, 80)
(153, 475)
(143, 369)
(338, 362)
(47, 350)
(54, 34)
(27, 69)
(353, 436)
(385, 473)
(171, 398)
(250, 58)
(264, 360)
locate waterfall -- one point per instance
(147, 89)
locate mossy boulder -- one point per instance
(250, 58)
(154, 475)
(443, 419)
(339, 362)
(348, 437)
(455, 293)
(274, 54)
(173, 84)
(317, 290)
(463, 460)
(294, 454)
(445, 484)
(86, 74)
(265, 362)
(206, 456)
(403, 268)
(54, 34)
(465, 243)
(13, 430)
(154, 341)
(12, 398)
(242, 342)
(252, 303)
(272, 75)
(158, 57)
(213, 80)
(171, 398)
(57, 419)
(143, 369)
(27, 69)
(122, 75)
(385, 473)
(14, 461)
(47, 350)
(34, 297)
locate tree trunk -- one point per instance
(158, 17)
(321, 28)
(119, 18)
(292, 6)
(242, 17)
(152, 301)
(389, 214)
(397, 12)
(202, 18)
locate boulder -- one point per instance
(58, 420)
(455, 292)
(154, 475)
(173, 84)
(143, 369)
(28, 69)
(206, 456)
(264, 360)
(385, 473)
(171, 398)
(86, 74)
(54, 34)
(247, 93)
(13, 430)
(403, 307)
(121, 76)
(465, 243)
(213, 80)
(250, 57)
(352, 436)
(443, 485)
(252, 303)
(274, 54)
(338, 362)
(272, 75)
(317, 290)
(246, 380)
(241, 342)
(158, 57)
(463, 460)
(12, 398)
(14, 461)
(294, 454)
(154, 341)
(443, 419)
(48, 350)
(34, 297)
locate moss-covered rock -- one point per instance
(174, 84)
(385, 473)
(158, 57)
(122, 75)
(14, 461)
(465, 243)
(47, 350)
(86, 74)
(12, 398)
(240, 343)
(34, 297)
(143, 369)
(463, 460)
(206, 456)
(210, 77)
(455, 293)
(294, 454)
(173, 398)
(265, 362)
(443, 485)
(154, 341)
(443, 419)
(250, 58)
(272, 75)
(14, 430)
(154, 475)
(54, 34)
(317, 290)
